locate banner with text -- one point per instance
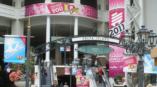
(129, 63)
(14, 49)
(116, 18)
(149, 64)
(82, 81)
(116, 61)
(61, 9)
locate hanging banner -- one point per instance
(89, 73)
(61, 9)
(129, 63)
(116, 18)
(149, 64)
(116, 61)
(14, 49)
(67, 71)
(73, 71)
(82, 81)
(78, 73)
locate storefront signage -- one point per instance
(129, 63)
(77, 39)
(149, 65)
(61, 9)
(14, 49)
(82, 81)
(92, 49)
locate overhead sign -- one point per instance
(129, 63)
(14, 49)
(61, 9)
(92, 49)
(104, 39)
(149, 64)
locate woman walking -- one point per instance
(97, 75)
(43, 78)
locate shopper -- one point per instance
(43, 78)
(65, 85)
(100, 74)
(55, 84)
(97, 75)
(5, 69)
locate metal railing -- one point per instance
(93, 79)
(39, 85)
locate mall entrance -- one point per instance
(66, 78)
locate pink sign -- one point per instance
(129, 63)
(67, 71)
(78, 72)
(116, 61)
(116, 18)
(61, 8)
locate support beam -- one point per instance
(75, 34)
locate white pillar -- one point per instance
(47, 1)
(141, 3)
(17, 27)
(75, 33)
(18, 3)
(77, 2)
(47, 39)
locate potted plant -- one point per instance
(119, 78)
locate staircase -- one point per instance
(48, 78)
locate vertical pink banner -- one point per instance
(116, 29)
(116, 61)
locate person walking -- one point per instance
(43, 78)
(97, 75)
(65, 85)
(42, 62)
(5, 69)
(55, 84)
(100, 74)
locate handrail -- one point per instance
(94, 82)
(39, 74)
(106, 79)
(51, 71)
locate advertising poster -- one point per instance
(62, 9)
(89, 73)
(14, 49)
(116, 61)
(129, 63)
(78, 73)
(82, 81)
(116, 18)
(73, 71)
(67, 49)
(149, 65)
(67, 71)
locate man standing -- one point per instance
(55, 84)
(7, 75)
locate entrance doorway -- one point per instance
(66, 78)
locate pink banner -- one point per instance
(67, 71)
(116, 61)
(78, 73)
(116, 18)
(61, 8)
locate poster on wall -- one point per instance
(78, 73)
(89, 73)
(61, 9)
(67, 48)
(129, 63)
(82, 81)
(116, 18)
(149, 64)
(116, 61)
(67, 71)
(73, 71)
(14, 49)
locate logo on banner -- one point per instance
(82, 79)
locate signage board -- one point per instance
(67, 71)
(89, 73)
(1, 40)
(91, 49)
(103, 39)
(67, 49)
(78, 72)
(14, 49)
(61, 9)
(82, 81)
(73, 71)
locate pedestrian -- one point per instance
(55, 84)
(100, 74)
(5, 69)
(65, 85)
(42, 62)
(43, 78)
(97, 75)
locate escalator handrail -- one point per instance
(107, 81)
(39, 73)
(94, 82)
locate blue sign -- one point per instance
(73, 71)
(89, 73)
(149, 64)
(14, 49)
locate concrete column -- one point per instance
(18, 3)
(17, 27)
(141, 20)
(47, 1)
(48, 39)
(75, 33)
(77, 1)
(58, 56)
